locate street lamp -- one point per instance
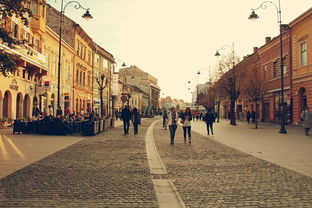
(87, 16)
(102, 82)
(234, 93)
(254, 16)
(198, 73)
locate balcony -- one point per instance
(83, 87)
(38, 24)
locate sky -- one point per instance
(174, 39)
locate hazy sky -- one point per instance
(173, 39)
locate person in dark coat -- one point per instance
(136, 120)
(209, 119)
(253, 116)
(35, 111)
(248, 116)
(59, 112)
(126, 116)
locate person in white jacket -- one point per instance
(172, 122)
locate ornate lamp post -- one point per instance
(102, 82)
(235, 94)
(198, 73)
(254, 16)
(87, 16)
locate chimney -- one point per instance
(255, 49)
(267, 39)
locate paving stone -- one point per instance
(209, 174)
(108, 170)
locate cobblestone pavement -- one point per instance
(209, 174)
(108, 170)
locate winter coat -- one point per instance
(186, 119)
(209, 117)
(170, 121)
(136, 118)
(126, 114)
(306, 117)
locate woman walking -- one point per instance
(186, 123)
(172, 122)
(136, 120)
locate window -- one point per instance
(105, 63)
(47, 55)
(84, 53)
(67, 72)
(88, 82)
(36, 44)
(28, 5)
(34, 8)
(266, 72)
(84, 78)
(27, 37)
(303, 54)
(15, 30)
(77, 75)
(89, 57)
(78, 48)
(274, 70)
(53, 69)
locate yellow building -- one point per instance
(51, 52)
(83, 71)
(83, 45)
(20, 90)
(103, 64)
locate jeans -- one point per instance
(209, 125)
(135, 127)
(172, 129)
(126, 125)
(188, 130)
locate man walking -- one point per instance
(126, 116)
(306, 117)
(209, 119)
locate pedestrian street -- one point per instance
(145, 170)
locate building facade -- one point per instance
(83, 45)
(22, 89)
(103, 64)
(50, 82)
(301, 32)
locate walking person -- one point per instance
(186, 119)
(136, 120)
(126, 116)
(165, 117)
(209, 119)
(306, 118)
(253, 116)
(172, 123)
(248, 116)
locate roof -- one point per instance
(301, 17)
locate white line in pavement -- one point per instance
(166, 193)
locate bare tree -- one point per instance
(230, 82)
(254, 84)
